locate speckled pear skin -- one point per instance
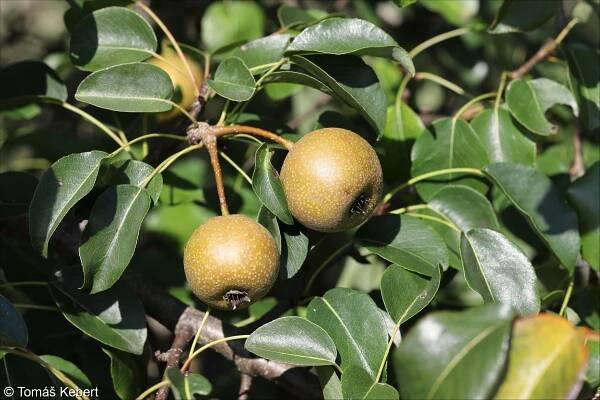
(325, 174)
(230, 252)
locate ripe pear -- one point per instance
(231, 261)
(182, 83)
(332, 180)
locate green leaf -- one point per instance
(404, 3)
(294, 17)
(263, 51)
(16, 192)
(294, 250)
(135, 87)
(405, 293)
(267, 186)
(592, 375)
(70, 369)
(332, 387)
(547, 360)
(26, 81)
(131, 172)
(13, 330)
(114, 317)
(499, 271)
(528, 101)
(358, 384)
(585, 83)
(233, 80)
(186, 386)
(111, 235)
(126, 372)
(454, 355)
(535, 196)
(111, 36)
(299, 77)
(456, 12)
(584, 195)
(267, 219)
(66, 182)
(464, 206)
(229, 22)
(355, 324)
(352, 81)
(293, 340)
(448, 144)
(522, 15)
(339, 36)
(405, 241)
(503, 138)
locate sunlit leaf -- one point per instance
(454, 355)
(224, 23)
(547, 360)
(186, 386)
(135, 87)
(111, 36)
(357, 384)
(66, 182)
(293, 340)
(233, 80)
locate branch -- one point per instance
(544, 52)
(175, 315)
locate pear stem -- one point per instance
(253, 131)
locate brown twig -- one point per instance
(209, 139)
(544, 52)
(577, 168)
(245, 386)
(183, 335)
(251, 130)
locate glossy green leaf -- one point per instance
(355, 324)
(584, 79)
(535, 196)
(358, 384)
(131, 172)
(111, 36)
(405, 241)
(233, 80)
(528, 101)
(111, 234)
(69, 369)
(405, 293)
(16, 192)
(298, 77)
(114, 317)
(186, 386)
(263, 51)
(294, 249)
(224, 23)
(503, 139)
(464, 206)
(267, 219)
(522, 15)
(134, 87)
(352, 81)
(294, 17)
(499, 271)
(13, 330)
(547, 360)
(267, 186)
(293, 340)
(448, 144)
(126, 372)
(66, 182)
(339, 36)
(584, 196)
(330, 383)
(24, 81)
(456, 12)
(454, 355)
